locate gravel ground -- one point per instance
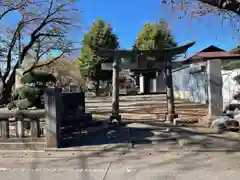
(145, 107)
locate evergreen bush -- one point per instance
(30, 95)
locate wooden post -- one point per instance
(115, 91)
(4, 128)
(170, 95)
(20, 126)
(35, 128)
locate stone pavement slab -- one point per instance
(197, 139)
(52, 175)
(134, 165)
(156, 155)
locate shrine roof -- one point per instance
(211, 53)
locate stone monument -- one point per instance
(214, 74)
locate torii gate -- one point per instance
(165, 54)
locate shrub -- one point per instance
(30, 95)
(23, 104)
(38, 77)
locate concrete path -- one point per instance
(138, 151)
(138, 164)
(153, 152)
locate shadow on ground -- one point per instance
(130, 134)
(152, 136)
(161, 136)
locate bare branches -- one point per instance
(227, 10)
(43, 28)
(45, 23)
(34, 66)
(10, 49)
(229, 5)
(207, 6)
(53, 17)
(9, 6)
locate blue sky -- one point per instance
(128, 16)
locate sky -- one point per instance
(128, 17)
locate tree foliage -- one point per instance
(236, 50)
(100, 35)
(43, 27)
(155, 36)
(31, 93)
(61, 73)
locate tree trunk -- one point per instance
(7, 89)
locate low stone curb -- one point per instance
(106, 147)
(28, 144)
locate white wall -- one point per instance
(193, 87)
(190, 87)
(229, 85)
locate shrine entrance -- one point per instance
(123, 60)
(150, 81)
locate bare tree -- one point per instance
(198, 8)
(207, 6)
(44, 27)
(229, 5)
(65, 71)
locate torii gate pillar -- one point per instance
(170, 94)
(115, 91)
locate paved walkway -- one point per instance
(139, 151)
(144, 164)
(153, 152)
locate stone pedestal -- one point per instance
(35, 128)
(4, 128)
(20, 126)
(53, 106)
(215, 106)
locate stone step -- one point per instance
(22, 144)
(28, 143)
